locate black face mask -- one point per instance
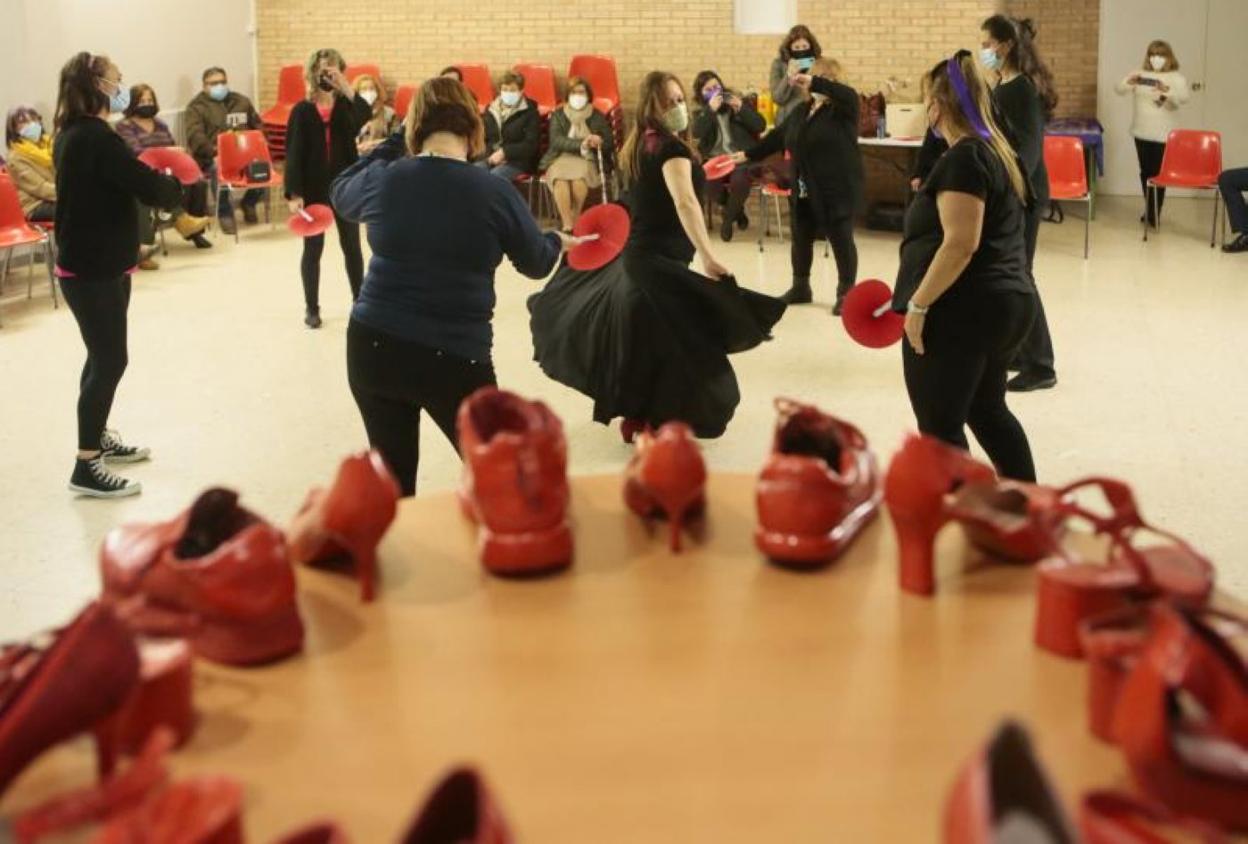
(802, 54)
(324, 84)
(146, 111)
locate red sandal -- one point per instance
(667, 477)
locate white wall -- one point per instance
(165, 43)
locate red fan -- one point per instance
(609, 226)
(173, 162)
(311, 220)
(869, 317)
(719, 166)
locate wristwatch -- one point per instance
(913, 307)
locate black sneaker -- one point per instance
(92, 478)
(725, 231)
(115, 451)
(838, 305)
(798, 294)
(227, 224)
(1239, 244)
(743, 222)
(1025, 382)
(200, 241)
(312, 318)
(249, 215)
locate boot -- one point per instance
(799, 292)
(189, 226)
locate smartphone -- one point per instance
(1151, 83)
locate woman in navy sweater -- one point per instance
(420, 336)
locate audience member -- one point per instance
(578, 134)
(1158, 90)
(798, 52)
(723, 124)
(214, 110)
(30, 163)
(512, 130)
(1232, 184)
(383, 122)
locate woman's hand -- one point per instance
(734, 102)
(915, 184)
(497, 157)
(1163, 87)
(295, 204)
(715, 102)
(801, 81)
(339, 81)
(1133, 79)
(712, 268)
(569, 242)
(739, 158)
(593, 142)
(914, 330)
(368, 146)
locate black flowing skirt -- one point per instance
(647, 338)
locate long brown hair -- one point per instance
(136, 94)
(444, 104)
(801, 32)
(651, 104)
(379, 104)
(940, 90)
(79, 93)
(1023, 55)
(1161, 48)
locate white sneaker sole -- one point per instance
(138, 457)
(133, 488)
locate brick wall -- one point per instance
(1067, 33)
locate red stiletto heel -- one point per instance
(163, 698)
(667, 476)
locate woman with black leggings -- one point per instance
(963, 281)
(420, 336)
(97, 234)
(320, 144)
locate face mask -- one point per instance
(511, 99)
(219, 91)
(802, 54)
(1157, 62)
(804, 65)
(990, 58)
(713, 93)
(324, 84)
(934, 124)
(146, 111)
(32, 132)
(370, 96)
(119, 101)
(676, 118)
(578, 101)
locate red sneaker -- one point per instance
(667, 477)
(460, 811)
(818, 489)
(348, 520)
(217, 575)
(515, 482)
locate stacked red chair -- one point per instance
(290, 90)
(477, 78)
(540, 86)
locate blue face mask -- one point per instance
(219, 91)
(32, 131)
(511, 99)
(990, 58)
(804, 65)
(119, 101)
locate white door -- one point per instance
(1226, 68)
(1127, 26)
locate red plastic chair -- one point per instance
(235, 150)
(15, 232)
(600, 73)
(539, 85)
(354, 70)
(1068, 175)
(1193, 159)
(477, 78)
(403, 100)
(290, 90)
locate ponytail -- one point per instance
(79, 93)
(1023, 55)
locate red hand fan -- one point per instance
(719, 166)
(610, 224)
(311, 220)
(868, 315)
(172, 162)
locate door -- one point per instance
(1226, 68)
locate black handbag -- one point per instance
(257, 171)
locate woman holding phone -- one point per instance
(798, 53)
(1158, 90)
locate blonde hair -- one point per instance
(379, 104)
(311, 76)
(827, 68)
(651, 105)
(1164, 48)
(444, 104)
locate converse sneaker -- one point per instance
(92, 478)
(115, 451)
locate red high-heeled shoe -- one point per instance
(1180, 718)
(216, 575)
(1112, 643)
(460, 810)
(1107, 817)
(349, 519)
(71, 682)
(818, 489)
(162, 699)
(667, 476)
(1012, 521)
(1003, 792)
(919, 476)
(1071, 589)
(208, 810)
(515, 482)
(630, 428)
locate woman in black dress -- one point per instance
(821, 136)
(645, 337)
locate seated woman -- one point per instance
(578, 131)
(512, 130)
(141, 129)
(30, 163)
(724, 124)
(383, 123)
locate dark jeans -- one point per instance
(737, 185)
(393, 380)
(1232, 184)
(44, 212)
(960, 380)
(506, 170)
(1150, 154)
(310, 264)
(840, 234)
(99, 305)
(1035, 356)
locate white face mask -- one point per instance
(676, 118)
(1157, 62)
(369, 95)
(578, 101)
(511, 99)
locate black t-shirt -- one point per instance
(655, 223)
(1000, 263)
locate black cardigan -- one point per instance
(1018, 102)
(824, 149)
(308, 170)
(520, 136)
(98, 180)
(745, 126)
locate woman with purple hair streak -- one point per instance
(963, 282)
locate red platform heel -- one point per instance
(515, 482)
(1112, 643)
(919, 476)
(667, 477)
(1071, 590)
(69, 682)
(1003, 794)
(818, 489)
(1010, 520)
(163, 697)
(208, 810)
(460, 810)
(1107, 817)
(348, 520)
(217, 575)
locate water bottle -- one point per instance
(881, 131)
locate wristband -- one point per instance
(913, 308)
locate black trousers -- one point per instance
(1232, 184)
(840, 233)
(1035, 355)
(393, 380)
(310, 263)
(960, 380)
(99, 305)
(737, 185)
(1150, 154)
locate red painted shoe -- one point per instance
(1107, 817)
(208, 810)
(667, 477)
(348, 520)
(630, 428)
(163, 697)
(818, 489)
(1010, 520)
(69, 682)
(515, 483)
(1112, 644)
(326, 832)
(919, 477)
(217, 575)
(1071, 589)
(460, 811)
(1003, 794)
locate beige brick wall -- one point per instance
(1067, 33)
